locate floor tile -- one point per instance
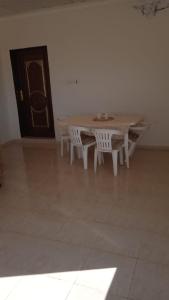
(118, 240)
(102, 236)
(104, 271)
(139, 220)
(24, 255)
(40, 287)
(32, 223)
(155, 248)
(81, 234)
(83, 293)
(150, 282)
(7, 284)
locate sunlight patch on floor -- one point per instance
(61, 286)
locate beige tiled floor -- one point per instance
(69, 234)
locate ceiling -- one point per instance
(13, 7)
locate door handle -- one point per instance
(21, 95)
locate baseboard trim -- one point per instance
(16, 141)
(53, 142)
(153, 147)
(33, 142)
(38, 140)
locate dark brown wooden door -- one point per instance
(33, 93)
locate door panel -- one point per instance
(37, 93)
(33, 93)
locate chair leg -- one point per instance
(132, 148)
(61, 147)
(102, 157)
(99, 155)
(85, 154)
(114, 158)
(71, 153)
(79, 152)
(67, 143)
(121, 156)
(126, 149)
(95, 159)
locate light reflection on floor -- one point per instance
(85, 284)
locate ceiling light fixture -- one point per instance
(151, 7)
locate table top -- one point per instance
(117, 121)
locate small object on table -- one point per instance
(103, 119)
(101, 116)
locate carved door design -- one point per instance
(33, 93)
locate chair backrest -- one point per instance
(142, 126)
(75, 135)
(104, 138)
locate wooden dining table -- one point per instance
(119, 121)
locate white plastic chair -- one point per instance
(82, 142)
(106, 142)
(63, 134)
(136, 133)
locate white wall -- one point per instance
(119, 57)
(4, 119)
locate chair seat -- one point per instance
(86, 140)
(133, 136)
(117, 144)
